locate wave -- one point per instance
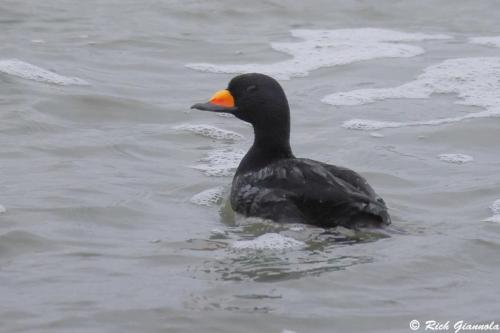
(495, 209)
(220, 162)
(326, 48)
(28, 71)
(208, 197)
(456, 158)
(269, 241)
(476, 81)
(488, 41)
(210, 131)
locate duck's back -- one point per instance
(307, 191)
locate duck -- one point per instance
(272, 184)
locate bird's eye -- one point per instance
(252, 88)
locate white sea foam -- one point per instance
(494, 218)
(210, 131)
(495, 209)
(218, 232)
(269, 241)
(376, 135)
(2, 209)
(488, 41)
(208, 197)
(367, 124)
(220, 162)
(456, 158)
(476, 81)
(326, 48)
(28, 71)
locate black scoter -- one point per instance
(272, 183)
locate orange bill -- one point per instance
(221, 101)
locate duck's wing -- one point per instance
(353, 178)
(333, 182)
(377, 205)
(315, 186)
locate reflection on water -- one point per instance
(243, 253)
(265, 267)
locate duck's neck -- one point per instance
(270, 145)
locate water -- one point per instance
(112, 210)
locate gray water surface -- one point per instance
(101, 176)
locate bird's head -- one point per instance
(254, 98)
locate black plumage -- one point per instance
(271, 183)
